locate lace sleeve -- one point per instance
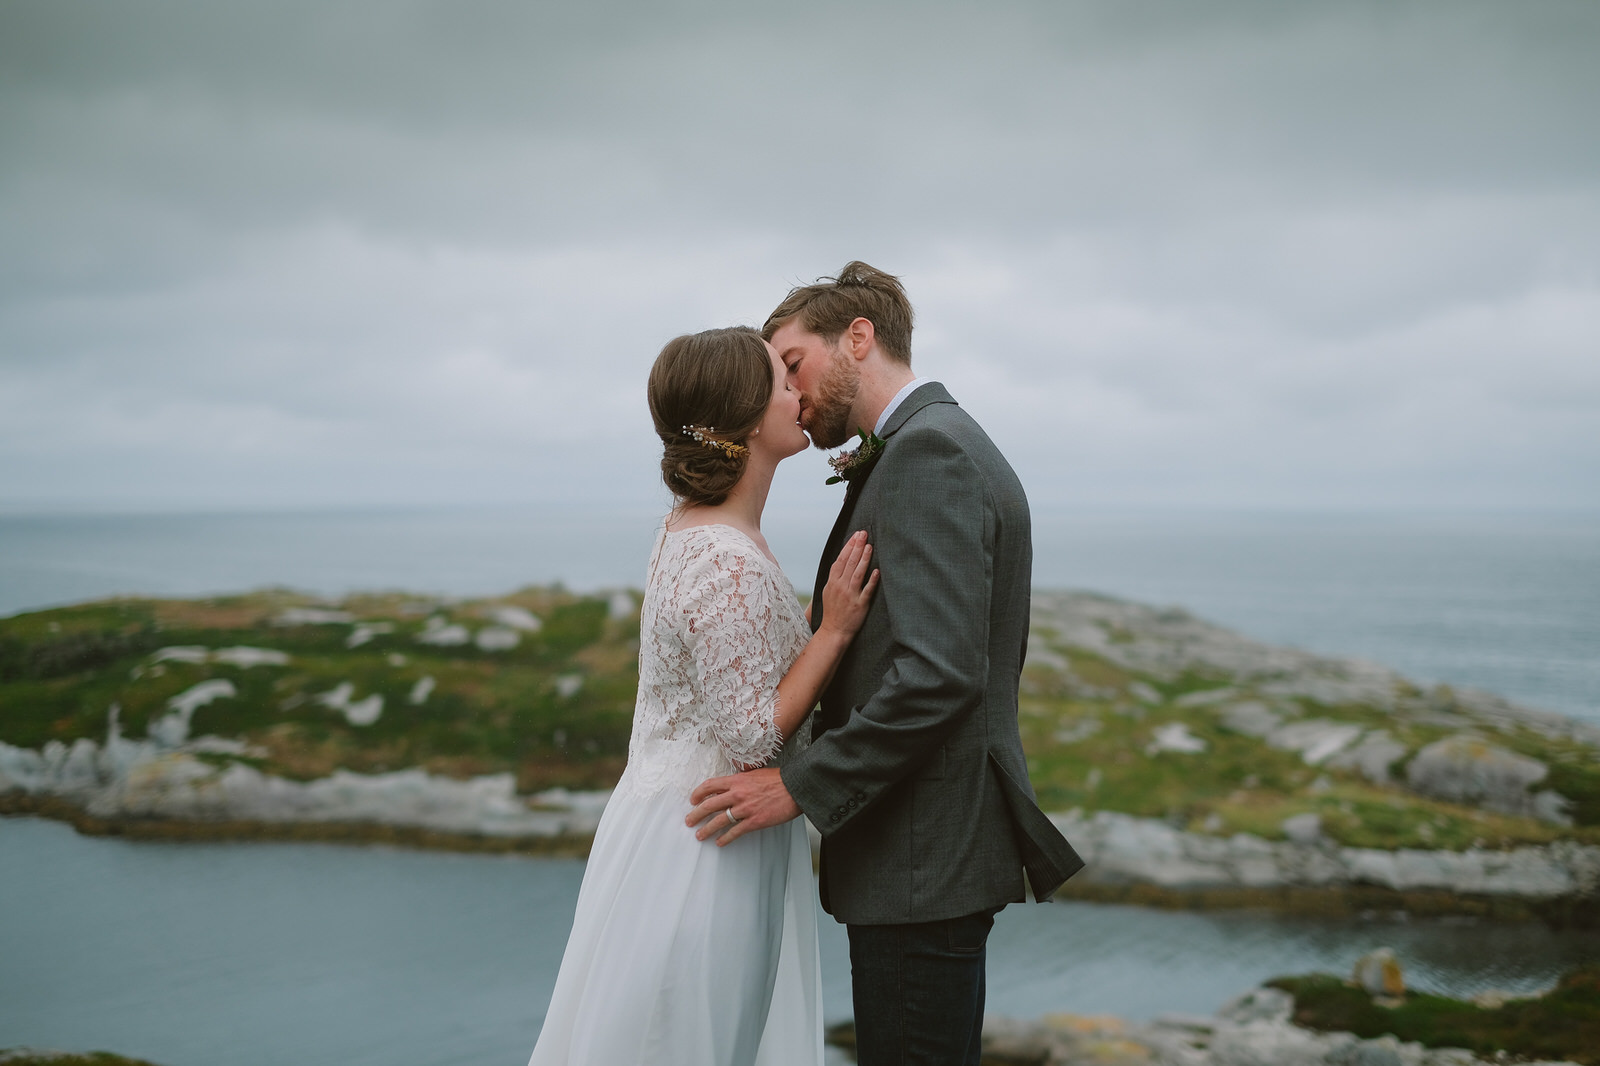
(729, 615)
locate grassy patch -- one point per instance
(554, 710)
(1092, 752)
(1564, 1024)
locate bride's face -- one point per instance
(780, 432)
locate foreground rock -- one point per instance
(1252, 1030)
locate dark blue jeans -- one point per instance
(918, 991)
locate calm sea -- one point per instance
(1506, 603)
(266, 954)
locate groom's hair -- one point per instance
(860, 291)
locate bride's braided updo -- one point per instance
(708, 392)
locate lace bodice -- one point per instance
(719, 627)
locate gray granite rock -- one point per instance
(1122, 849)
(1371, 756)
(1467, 768)
(1253, 1029)
(1271, 1005)
(1304, 829)
(149, 779)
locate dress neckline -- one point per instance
(723, 525)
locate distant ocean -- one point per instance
(1506, 603)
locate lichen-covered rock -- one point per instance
(1272, 1005)
(1304, 829)
(1378, 973)
(1122, 849)
(1372, 756)
(1466, 768)
(1382, 1051)
(144, 779)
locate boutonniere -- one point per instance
(850, 465)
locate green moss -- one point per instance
(1096, 670)
(573, 626)
(1580, 783)
(1564, 1024)
(1109, 769)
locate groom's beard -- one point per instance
(829, 409)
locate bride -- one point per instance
(683, 952)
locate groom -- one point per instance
(915, 775)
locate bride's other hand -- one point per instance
(851, 583)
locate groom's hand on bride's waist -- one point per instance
(757, 798)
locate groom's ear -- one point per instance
(858, 338)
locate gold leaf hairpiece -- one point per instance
(703, 434)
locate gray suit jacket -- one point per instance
(915, 774)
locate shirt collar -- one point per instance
(912, 386)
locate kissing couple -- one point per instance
(695, 939)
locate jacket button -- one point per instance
(861, 795)
(851, 804)
(833, 820)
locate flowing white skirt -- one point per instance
(686, 953)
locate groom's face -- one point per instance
(827, 379)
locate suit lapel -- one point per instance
(830, 550)
(931, 393)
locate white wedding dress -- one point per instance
(683, 952)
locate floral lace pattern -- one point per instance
(719, 627)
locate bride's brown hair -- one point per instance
(720, 383)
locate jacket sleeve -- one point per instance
(935, 553)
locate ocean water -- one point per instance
(256, 955)
(1506, 603)
(264, 954)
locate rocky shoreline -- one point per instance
(1254, 1029)
(143, 790)
(1146, 861)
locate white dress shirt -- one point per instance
(912, 386)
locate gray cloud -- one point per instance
(1246, 254)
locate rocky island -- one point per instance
(1191, 766)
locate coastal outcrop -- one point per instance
(124, 780)
(1191, 765)
(1148, 860)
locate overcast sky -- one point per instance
(1335, 254)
